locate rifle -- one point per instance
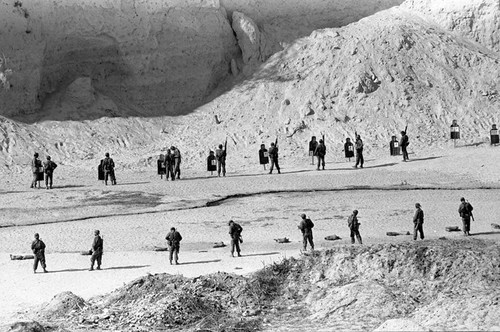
(276, 141)
(225, 147)
(471, 215)
(406, 128)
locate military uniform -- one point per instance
(97, 250)
(38, 248)
(404, 143)
(235, 233)
(35, 165)
(174, 244)
(320, 153)
(176, 154)
(465, 211)
(418, 222)
(169, 165)
(273, 155)
(353, 224)
(306, 226)
(108, 166)
(48, 168)
(220, 155)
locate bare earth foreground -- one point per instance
(135, 216)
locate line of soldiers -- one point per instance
(40, 169)
(306, 226)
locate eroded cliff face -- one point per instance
(150, 57)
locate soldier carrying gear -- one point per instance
(320, 153)
(404, 143)
(235, 233)
(312, 148)
(35, 169)
(48, 168)
(306, 226)
(353, 224)
(108, 166)
(220, 155)
(465, 211)
(38, 248)
(169, 165)
(177, 161)
(174, 244)
(97, 250)
(359, 152)
(418, 222)
(273, 155)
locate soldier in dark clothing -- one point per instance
(97, 249)
(418, 222)
(235, 233)
(174, 244)
(359, 152)
(169, 165)
(465, 211)
(404, 143)
(312, 148)
(353, 224)
(220, 155)
(38, 248)
(306, 226)
(273, 155)
(35, 165)
(48, 168)
(108, 166)
(320, 153)
(177, 161)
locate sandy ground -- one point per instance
(135, 216)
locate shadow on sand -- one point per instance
(104, 269)
(200, 262)
(261, 254)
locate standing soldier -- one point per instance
(359, 152)
(418, 222)
(465, 211)
(169, 165)
(220, 154)
(353, 224)
(273, 155)
(108, 166)
(176, 154)
(320, 152)
(38, 248)
(35, 168)
(404, 143)
(306, 226)
(97, 249)
(48, 168)
(312, 148)
(174, 244)
(235, 233)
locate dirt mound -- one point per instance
(24, 327)
(440, 284)
(61, 305)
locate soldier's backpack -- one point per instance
(309, 223)
(469, 207)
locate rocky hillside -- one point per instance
(436, 285)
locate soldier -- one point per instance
(404, 143)
(177, 161)
(169, 165)
(174, 244)
(359, 152)
(353, 224)
(312, 148)
(306, 226)
(465, 211)
(235, 233)
(320, 152)
(35, 165)
(418, 222)
(97, 249)
(38, 248)
(273, 155)
(48, 168)
(220, 155)
(108, 166)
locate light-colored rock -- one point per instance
(400, 325)
(248, 35)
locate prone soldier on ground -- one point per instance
(35, 169)
(418, 222)
(353, 224)
(306, 225)
(108, 166)
(174, 244)
(97, 250)
(465, 211)
(273, 155)
(235, 234)
(38, 248)
(48, 168)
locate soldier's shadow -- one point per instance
(103, 269)
(200, 262)
(261, 254)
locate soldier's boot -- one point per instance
(323, 167)
(45, 271)
(176, 263)
(106, 183)
(170, 262)
(279, 172)
(239, 255)
(98, 267)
